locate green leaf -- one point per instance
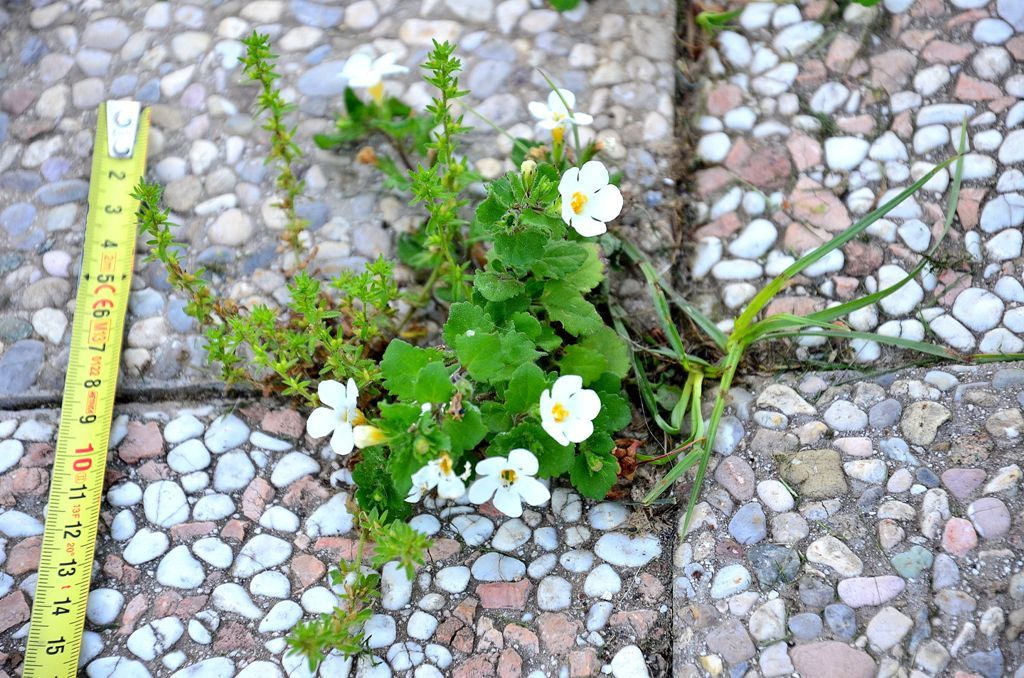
(434, 384)
(565, 5)
(354, 106)
(542, 222)
(466, 432)
(560, 259)
(609, 344)
(401, 366)
(492, 358)
(466, 317)
(520, 249)
(552, 459)
(566, 305)
(590, 273)
(527, 324)
(586, 362)
(615, 413)
(490, 213)
(375, 488)
(494, 286)
(595, 468)
(480, 355)
(495, 416)
(524, 388)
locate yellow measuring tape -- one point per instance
(76, 483)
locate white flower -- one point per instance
(567, 410)
(438, 473)
(339, 414)
(509, 481)
(556, 114)
(363, 72)
(588, 200)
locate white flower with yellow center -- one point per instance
(438, 473)
(508, 482)
(339, 414)
(363, 72)
(588, 200)
(556, 114)
(567, 410)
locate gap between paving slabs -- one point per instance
(217, 536)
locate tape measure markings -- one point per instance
(79, 466)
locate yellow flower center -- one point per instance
(559, 413)
(445, 464)
(508, 475)
(377, 91)
(558, 116)
(558, 134)
(578, 201)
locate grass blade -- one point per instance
(764, 297)
(642, 384)
(692, 312)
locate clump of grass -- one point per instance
(750, 329)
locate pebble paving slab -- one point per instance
(220, 526)
(59, 62)
(869, 524)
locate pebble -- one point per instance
(165, 504)
(730, 580)
(179, 569)
(624, 551)
(226, 432)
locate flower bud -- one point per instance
(528, 168)
(368, 436)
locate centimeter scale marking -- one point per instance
(79, 466)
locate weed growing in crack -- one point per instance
(258, 64)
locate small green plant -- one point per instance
(318, 335)
(258, 64)
(358, 586)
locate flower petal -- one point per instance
(538, 110)
(450, 487)
(555, 430)
(427, 476)
(567, 212)
(569, 182)
(605, 204)
(357, 65)
(507, 501)
(531, 490)
(332, 393)
(584, 404)
(587, 226)
(351, 393)
(578, 430)
(583, 119)
(565, 386)
(523, 460)
(415, 494)
(491, 466)
(555, 101)
(594, 175)
(343, 442)
(321, 421)
(483, 489)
